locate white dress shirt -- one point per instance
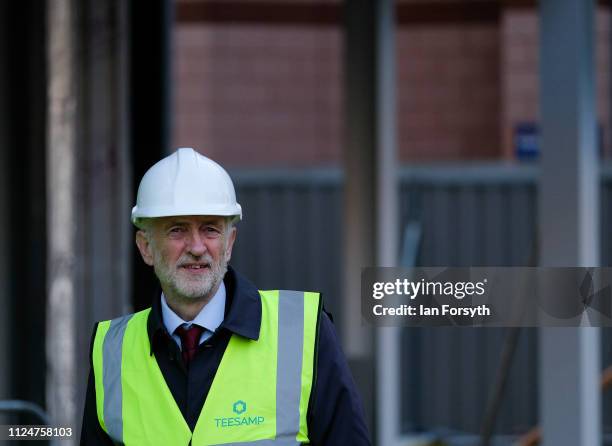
(210, 317)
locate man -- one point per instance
(214, 360)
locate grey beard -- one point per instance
(191, 291)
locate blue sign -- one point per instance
(526, 141)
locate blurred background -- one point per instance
(358, 133)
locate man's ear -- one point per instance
(144, 246)
(230, 243)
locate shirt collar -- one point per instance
(242, 309)
(210, 317)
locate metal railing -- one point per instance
(19, 406)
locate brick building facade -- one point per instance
(263, 85)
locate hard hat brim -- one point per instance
(166, 211)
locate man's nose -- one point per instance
(197, 247)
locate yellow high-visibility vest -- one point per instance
(259, 395)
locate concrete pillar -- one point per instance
(387, 240)
(370, 195)
(359, 192)
(570, 400)
(62, 213)
(89, 189)
(359, 166)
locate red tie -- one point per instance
(190, 339)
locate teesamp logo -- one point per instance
(239, 407)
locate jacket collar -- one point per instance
(242, 309)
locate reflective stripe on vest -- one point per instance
(259, 395)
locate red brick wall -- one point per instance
(448, 104)
(259, 96)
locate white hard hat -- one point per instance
(185, 183)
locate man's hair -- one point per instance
(142, 223)
(231, 221)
